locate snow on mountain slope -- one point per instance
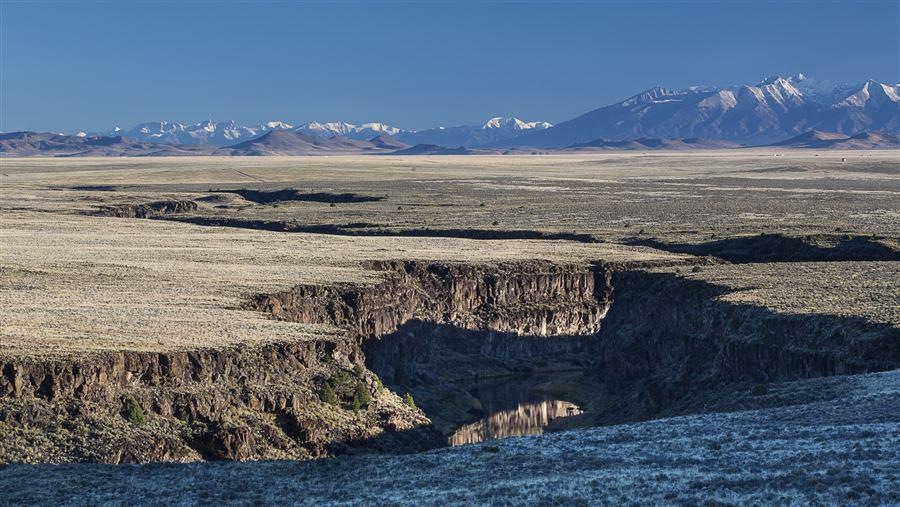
(508, 122)
(871, 90)
(774, 109)
(340, 128)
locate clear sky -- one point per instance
(68, 66)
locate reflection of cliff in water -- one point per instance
(512, 408)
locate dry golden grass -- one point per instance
(72, 283)
(852, 289)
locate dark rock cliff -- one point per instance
(536, 298)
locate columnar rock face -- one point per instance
(429, 324)
(531, 299)
(98, 376)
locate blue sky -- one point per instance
(67, 66)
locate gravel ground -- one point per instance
(844, 450)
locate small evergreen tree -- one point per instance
(361, 397)
(342, 384)
(327, 395)
(132, 412)
(408, 399)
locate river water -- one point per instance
(511, 408)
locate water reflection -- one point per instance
(512, 408)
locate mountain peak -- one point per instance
(513, 123)
(651, 95)
(273, 125)
(871, 92)
(342, 128)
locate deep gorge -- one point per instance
(624, 343)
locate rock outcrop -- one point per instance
(147, 210)
(531, 299)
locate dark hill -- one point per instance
(47, 144)
(833, 141)
(433, 149)
(283, 142)
(388, 142)
(643, 144)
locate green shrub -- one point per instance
(327, 395)
(361, 397)
(342, 384)
(378, 385)
(696, 269)
(408, 399)
(358, 370)
(132, 412)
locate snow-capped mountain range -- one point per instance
(229, 133)
(216, 133)
(341, 128)
(774, 109)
